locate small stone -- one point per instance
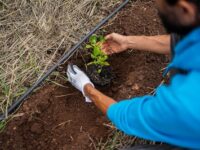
(135, 87)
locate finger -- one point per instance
(106, 48)
(109, 51)
(70, 73)
(87, 100)
(77, 69)
(104, 45)
(69, 77)
(109, 37)
(71, 69)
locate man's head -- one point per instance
(179, 16)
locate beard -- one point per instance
(175, 27)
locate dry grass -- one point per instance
(35, 32)
(118, 140)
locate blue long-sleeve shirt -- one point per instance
(173, 114)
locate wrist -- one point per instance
(87, 88)
(126, 42)
(130, 42)
(135, 42)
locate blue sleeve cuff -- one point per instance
(110, 112)
(117, 110)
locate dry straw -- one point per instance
(32, 34)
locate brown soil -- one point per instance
(58, 118)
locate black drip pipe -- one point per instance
(64, 58)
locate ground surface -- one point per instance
(33, 33)
(58, 118)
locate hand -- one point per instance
(115, 43)
(78, 79)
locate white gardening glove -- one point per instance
(78, 79)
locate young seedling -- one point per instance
(99, 58)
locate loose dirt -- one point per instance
(58, 118)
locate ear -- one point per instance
(187, 11)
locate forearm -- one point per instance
(157, 44)
(102, 101)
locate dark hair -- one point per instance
(173, 2)
(195, 2)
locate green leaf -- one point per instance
(105, 64)
(102, 59)
(98, 56)
(93, 56)
(105, 57)
(88, 46)
(101, 38)
(93, 39)
(99, 71)
(92, 63)
(96, 51)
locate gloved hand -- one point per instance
(78, 79)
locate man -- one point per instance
(173, 114)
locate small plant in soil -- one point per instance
(98, 69)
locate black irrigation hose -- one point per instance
(65, 57)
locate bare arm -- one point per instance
(102, 101)
(116, 43)
(157, 44)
